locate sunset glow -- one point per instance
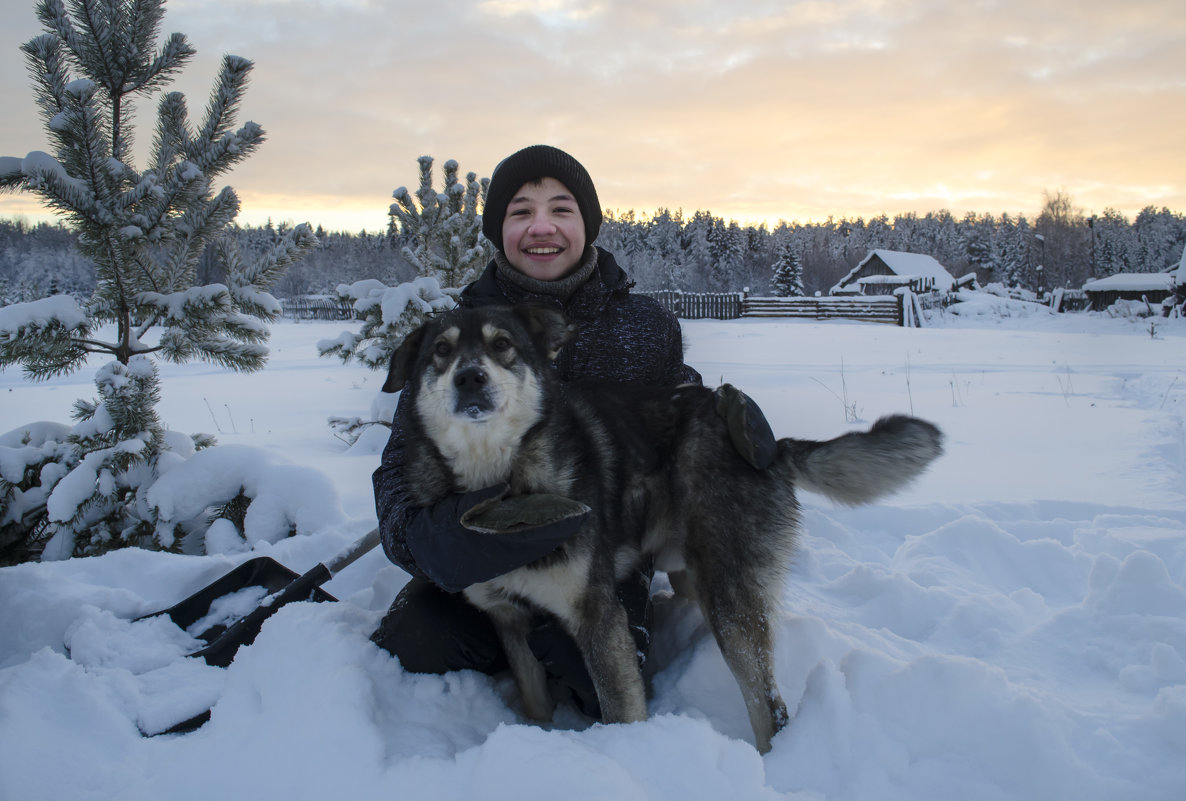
(754, 111)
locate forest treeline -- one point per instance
(701, 252)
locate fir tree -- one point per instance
(146, 233)
(787, 278)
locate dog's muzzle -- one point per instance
(471, 392)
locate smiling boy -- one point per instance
(543, 215)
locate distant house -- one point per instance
(1150, 287)
(884, 271)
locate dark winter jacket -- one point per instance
(620, 337)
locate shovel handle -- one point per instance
(352, 553)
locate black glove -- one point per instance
(473, 537)
(748, 428)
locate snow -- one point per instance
(1013, 626)
(38, 164)
(60, 309)
(80, 86)
(284, 496)
(423, 294)
(179, 304)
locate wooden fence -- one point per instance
(317, 307)
(872, 308)
(699, 305)
(889, 309)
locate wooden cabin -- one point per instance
(883, 272)
(1153, 288)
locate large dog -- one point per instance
(658, 470)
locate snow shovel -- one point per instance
(273, 584)
(270, 584)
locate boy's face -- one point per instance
(543, 234)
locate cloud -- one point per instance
(755, 110)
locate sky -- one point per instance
(756, 111)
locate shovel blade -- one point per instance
(262, 571)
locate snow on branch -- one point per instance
(18, 319)
(388, 314)
(47, 336)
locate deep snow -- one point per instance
(1011, 627)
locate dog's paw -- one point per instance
(521, 512)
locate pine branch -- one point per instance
(175, 54)
(195, 229)
(172, 138)
(225, 99)
(44, 60)
(229, 149)
(52, 15)
(145, 17)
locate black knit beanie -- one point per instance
(531, 164)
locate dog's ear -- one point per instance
(402, 360)
(548, 327)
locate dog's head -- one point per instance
(476, 363)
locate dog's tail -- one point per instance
(862, 466)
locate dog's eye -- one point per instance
(500, 345)
(442, 348)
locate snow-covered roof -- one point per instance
(1131, 282)
(908, 266)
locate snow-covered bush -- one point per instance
(146, 233)
(265, 498)
(388, 315)
(33, 458)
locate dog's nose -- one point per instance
(470, 378)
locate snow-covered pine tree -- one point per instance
(444, 227)
(145, 232)
(726, 244)
(1016, 260)
(786, 280)
(1112, 241)
(699, 258)
(448, 251)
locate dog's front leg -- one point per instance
(611, 656)
(512, 625)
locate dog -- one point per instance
(662, 478)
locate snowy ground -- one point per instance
(1012, 627)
